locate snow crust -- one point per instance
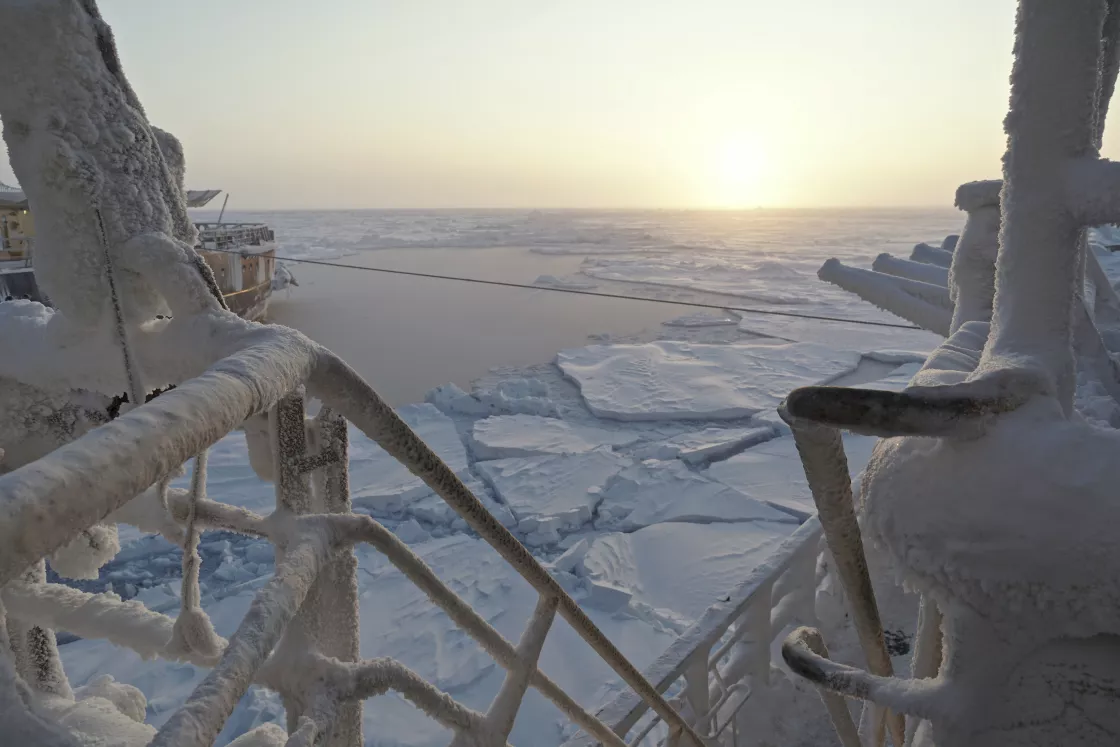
(669, 380)
(505, 436)
(381, 483)
(771, 472)
(551, 492)
(708, 445)
(655, 491)
(648, 563)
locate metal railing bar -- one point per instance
(625, 710)
(200, 719)
(507, 702)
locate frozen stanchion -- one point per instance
(986, 450)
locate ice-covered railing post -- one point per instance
(993, 498)
(723, 660)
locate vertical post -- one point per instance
(328, 620)
(1053, 118)
(696, 689)
(826, 468)
(34, 648)
(332, 603)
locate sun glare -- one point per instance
(740, 164)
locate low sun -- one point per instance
(740, 164)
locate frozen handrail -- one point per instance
(725, 655)
(44, 503)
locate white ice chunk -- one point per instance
(679, 380)
(507, 436)
(772, 471)
(380, 482)
(572, 557)
(607, 597)
(551, 281)
(654, 492)
(434, 510)
(551, 492)
(839, 334)
(897, 380)
(680, 567)
(411, 532)
(704, 319)
(707, 445)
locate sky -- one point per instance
(581, 103)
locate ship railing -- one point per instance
(721, 663)
(17, 249)
(300, 635)
(227, 236)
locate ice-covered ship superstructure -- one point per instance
(242, 256)
(990, 492)
(1016, 625)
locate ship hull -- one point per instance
(250, 303)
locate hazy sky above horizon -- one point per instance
(526, 103)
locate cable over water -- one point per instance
(578, 292)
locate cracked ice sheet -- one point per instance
(653, 492)
(506, 436)
(707, 445)
(551, 492)
(772, 471)
(399, 621)
(670, 380)
(380, 482)
(855, 336)
(679, 567)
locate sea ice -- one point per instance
(669, 380)
(707, 445)
(772, 472)
(704, 319)
(764, 281)
(680, 567)
(380, 482)
(551, 281)
(434, 510)
(652, 492)
(506, 436)
(551, 491)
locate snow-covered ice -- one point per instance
(381, 483)
(707, 445)
(551, 281)
(670, 380)
(505, 436)
(704, 319)
(679, 567)
(552, 492)
(771, 472)
(660, 491)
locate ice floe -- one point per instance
(704, 319)
(552, 492)
(668, 380)
(381, 483)
(772, 472)
(506, 436)
(658, 491)
(679, 567)
(707, 445)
